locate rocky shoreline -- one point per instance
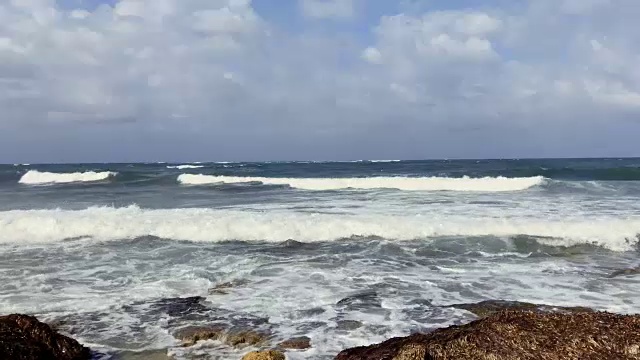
(503, 330)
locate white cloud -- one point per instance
(326, 9)
(372, 55)
(476, 23)
(458, 34)
(225, 20)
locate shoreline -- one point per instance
(502, 330)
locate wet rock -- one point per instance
(244, 338)
(74, 324)
(625, 272)
(192, 334)
(23, 337)
(518, 335)
(59, 325)
(298, 343)
(179, 307)
(178, 313)
(311, 312)
(238, 338)
(488, 307)
(310, 326)
(221, 289)
(358, 301)
(348, 324)
(224, 288)
(264, 355)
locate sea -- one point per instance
(123, 256)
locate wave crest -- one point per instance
(485, 184)
(186, 166)
(35, 177)
(209, 225)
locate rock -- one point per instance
(223, 288)
(348, 324)
(359, 301)
(489, 307)
(311, 312)
(179, 307)
(624, 272)
(298, 343)
(264, 355)
(237, 338)
(192, 334)
(23, 337)
(518, 335)
(245, 338)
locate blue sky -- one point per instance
(180, 80)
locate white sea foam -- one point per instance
(486, 184)
(186, 166)
(209, 225)
(34, 177)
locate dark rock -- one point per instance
(625, 272)
(518, 335)
(311, 312)
(306, 327)
(489, 307)
(178, 313)
(264, 355)
(23, 337)
(298, 343)
(178, 307)
(224, 288)
(77, 323)
(358, 301)
(221, 289)
(348, 324)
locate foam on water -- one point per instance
(210, 225)
(186, 166)
(303, 291)
(486, 184)
(35, 177)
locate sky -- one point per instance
(242, 80)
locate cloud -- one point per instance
(328, 9)
(220, 79)
(458, 35)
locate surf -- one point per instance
(217, 225)
(35, 177)
(485, 184)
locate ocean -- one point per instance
(346, 253)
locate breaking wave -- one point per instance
(186, 166)
(35, 177)
(486, 184)
(209, 225)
